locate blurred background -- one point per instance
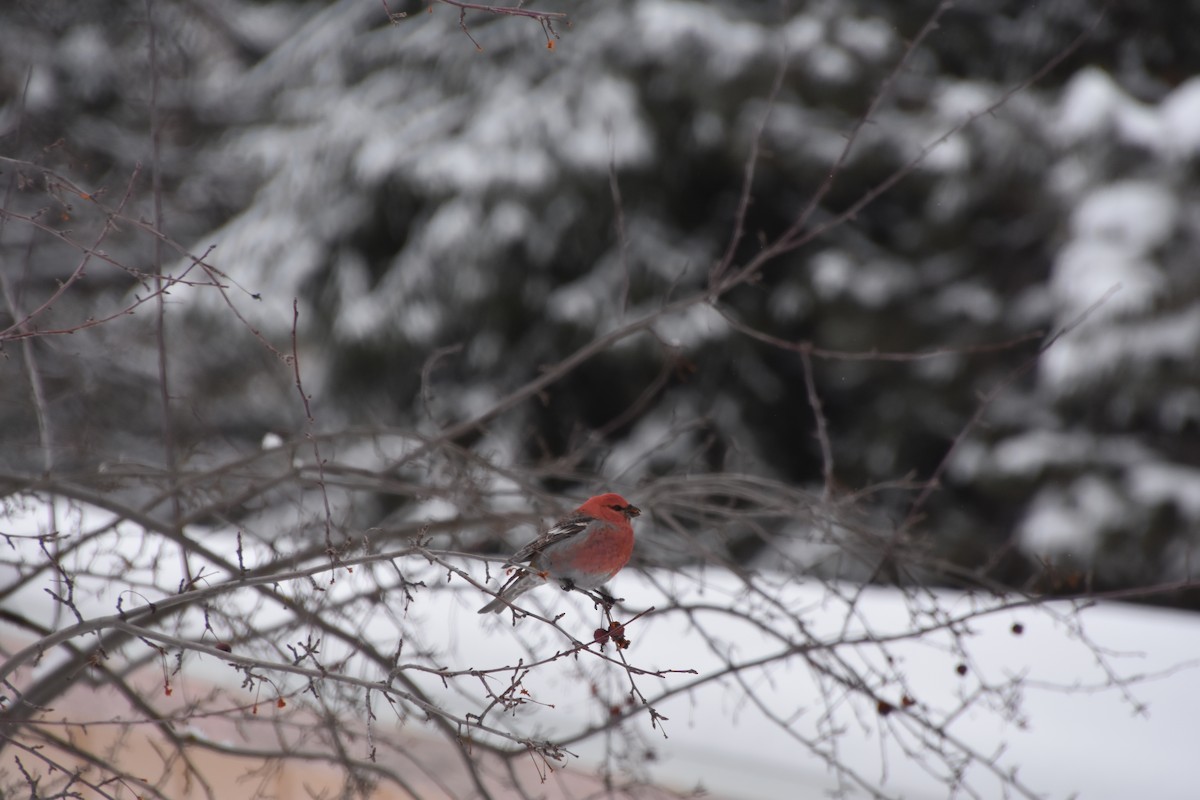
(436, 215)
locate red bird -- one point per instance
(583, 550)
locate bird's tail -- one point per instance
(494, 607)
(519, 585)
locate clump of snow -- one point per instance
(403, 128)
(788, 303)
(1116, 232)
(420, 321)
(436, 509)
(514, 131)
(950, 155)
(832, 273)
(1094, 106)
(1180, 115)
(969, 460)
(274, 252)
(1072, 520)
(41, 92)
(729, 45)
(474, 401)
(973, 301)
(1093, 353)
(469, 167)
(1134, 216)
(870, 38)
(821, 142)
(872, 284)
(510, 221)
(602, 126)
(803, 32)
(1153, 484)
(450, 223)
(961, 99)
(84, 55)
(1029, 453)
(829, 64)
(1087, 270)
(1089, 104)
(578, 301)
(692, 327)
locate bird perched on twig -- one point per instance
(581, 551)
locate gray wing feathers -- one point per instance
(564, 529)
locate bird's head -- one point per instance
(612, 502)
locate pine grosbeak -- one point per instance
(582, 550)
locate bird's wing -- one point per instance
(565, 528)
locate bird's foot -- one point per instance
(603, 598)
(599, 597)
(607, 600)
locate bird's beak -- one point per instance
(632, 511)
